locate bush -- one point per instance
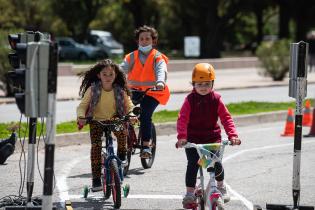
(274, 57)
(4, 61)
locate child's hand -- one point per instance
(180, 143)
(160, 86)
(235, 141)
(81, 122)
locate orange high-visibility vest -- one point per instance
(141, 77)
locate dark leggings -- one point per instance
(192, 168)
(147, 105)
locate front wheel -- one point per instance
(115, 184)
(148, 162)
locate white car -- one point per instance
(106, 42)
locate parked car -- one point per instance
(70, 49)
(106, 42)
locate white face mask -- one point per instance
(145, 49)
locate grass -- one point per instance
(235, 109)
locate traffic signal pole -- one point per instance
(35, 59)
(51, 128)
(297, 90)
(31, 159)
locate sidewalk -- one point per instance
(179, 82)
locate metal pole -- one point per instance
(51, 127)
(300, 95)
(49, 153)
(31, 159)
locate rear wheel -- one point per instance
(148, 162)
(115, 184)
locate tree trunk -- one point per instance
(210, 32)
(284, 18)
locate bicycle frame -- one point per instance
(108, 152)
(210, 153)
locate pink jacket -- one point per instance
(198, 121)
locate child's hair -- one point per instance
(146, 28)
(91, 76)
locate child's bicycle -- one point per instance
(135, 141)
(209, 198)
(112, 175)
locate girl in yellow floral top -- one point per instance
(104, 95)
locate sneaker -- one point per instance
(123, 159)
(224, 193)
(96, 185)
(189, 201)
(146, 153)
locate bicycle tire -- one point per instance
(148, 162)
(201, 204)
(106, 186)
(116, 187)
(131, 139)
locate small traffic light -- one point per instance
(16, 77)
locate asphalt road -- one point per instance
(257, 172)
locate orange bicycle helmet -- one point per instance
(203, 72)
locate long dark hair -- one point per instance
(91, 76)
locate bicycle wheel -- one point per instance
(115, 184)
(131, 141)
(106, 186)
(148, 162)
(201, 204)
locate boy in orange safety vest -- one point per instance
(146, 67)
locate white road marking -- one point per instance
(63, 188)
(62, 179)
(246, 202)
(140, 196)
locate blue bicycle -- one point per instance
(112, 168)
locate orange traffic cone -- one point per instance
(307, 115)
(312, 131)
(289, 126)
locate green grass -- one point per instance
(166, 116)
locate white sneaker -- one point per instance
(224, 193)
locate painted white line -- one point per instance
(246, 202)
(139, 196)
(62, 186)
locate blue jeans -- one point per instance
(147, 105)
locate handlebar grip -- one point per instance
(235, 142)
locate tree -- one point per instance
(78, 14)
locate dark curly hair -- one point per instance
(91, 76)
(145, 28)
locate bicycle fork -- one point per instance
(214, 197)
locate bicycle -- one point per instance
(135, 141)
(112, 176)
(209, 155)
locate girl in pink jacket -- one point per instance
(198, 123)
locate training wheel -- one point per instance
(126, 190)
(85, 191)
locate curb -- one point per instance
(170, 128)
(82, 138)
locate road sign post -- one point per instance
(297, 90)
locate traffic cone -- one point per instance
(289, 126)
(312, 131)
(307, 116)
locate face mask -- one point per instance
(145, 49)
